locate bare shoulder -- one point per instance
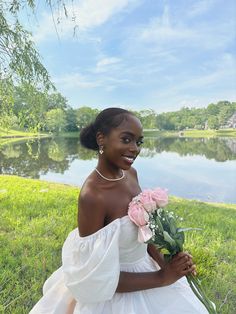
(91, 209)
(133, 173)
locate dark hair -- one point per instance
(105, 121)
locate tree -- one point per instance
(226, 111)
(19, 60)
(18, 57)
(6, 101)
(148, 118)
(55, 120)
(71, 120)
(85, 115)
(163, 122)
(29, 106)
(212, 109)
(213, 122)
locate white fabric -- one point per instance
(90, 273)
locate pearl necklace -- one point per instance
(122, 176)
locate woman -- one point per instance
(105, 270)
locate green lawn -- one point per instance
(18, 133)
(10, 136)
(210, 133)
(192, 133)
(36, 217)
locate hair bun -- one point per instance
(88, 137)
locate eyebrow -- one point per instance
(131, 134)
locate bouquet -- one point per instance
(158, 226)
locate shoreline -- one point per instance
(74, 186)
(172, 196)
(12, 134)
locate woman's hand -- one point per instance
(180, 265)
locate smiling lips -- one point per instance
(129, 159)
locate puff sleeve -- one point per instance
(91, 264)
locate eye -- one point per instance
(139, 143)
(126, 140)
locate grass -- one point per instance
(12, 136)
(18, 133)
(37, 216)
(210, 133)
(192, 133)
(158, 133)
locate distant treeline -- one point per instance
(213, 116)
(32, 109)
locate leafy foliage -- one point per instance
(85, 115)
(55, 120)
(20, 62)
(39, 110)
(19, 58)
(214, 116)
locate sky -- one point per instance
(140, 54)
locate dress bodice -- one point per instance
(130, 249)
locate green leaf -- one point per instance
(169, 239)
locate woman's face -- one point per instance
(122, 144)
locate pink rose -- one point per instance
(160, 196)
(144, 234)
(138, 214)
(146, 200)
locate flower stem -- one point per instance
(200, 294)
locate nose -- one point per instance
(134, 148)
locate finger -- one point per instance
(187, 253)
(185, 261)
(179, 256)
(194, 273)
(189, 270)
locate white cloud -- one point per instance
(200, 7)
(161, 29)
(173, 31)
(107, 61)
(89, 80)
(214, 83)
(107, 64)
(180, 55)
(76, 80)
(220, 70)
(85, 15)
(96, 12)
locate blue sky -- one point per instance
(138, 54)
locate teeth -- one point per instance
(129, 159)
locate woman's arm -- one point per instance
(71, 307)
(156, 255)
(180, 265)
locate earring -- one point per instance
(101, 150)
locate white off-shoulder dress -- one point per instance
(90, 273)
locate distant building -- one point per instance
(231, 123)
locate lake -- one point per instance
(202, 169)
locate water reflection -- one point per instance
(64, 160)
(219, 149)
